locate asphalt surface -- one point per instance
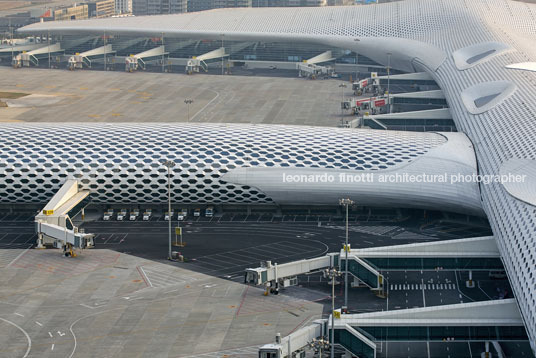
(223, 247)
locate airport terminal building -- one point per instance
(480, 53)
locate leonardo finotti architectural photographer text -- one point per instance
(401, 178)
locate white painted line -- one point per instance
(171, 291)
(137, 298)
(25, 333)
(16, 258)
(145, 275)
(30, 239)
(16, 237)
(61, 334)
(39, 324)
(52, 348)
(87, 306)
(50, 334)
(206, 105)
(18, 314)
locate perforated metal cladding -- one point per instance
(505, 131)
(394, 19)
(123, 163)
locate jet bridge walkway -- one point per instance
(472, 254)
(274, 276)
(199, 62)
(80, 60)
(311, 69)
(139, 60)
(496, 322)
(32, 57)
(54, 225)
(366, 265)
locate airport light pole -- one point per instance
(347, 203)
(332, 273)
(188, 103)
(389, 82)
(169, 164)
(342, 86)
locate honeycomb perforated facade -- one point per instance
(124, 163)
(501, 133)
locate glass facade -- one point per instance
(360, 271)
(473, 263)
(353, 344)
(443, 333)
(184, 48)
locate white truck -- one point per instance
(169, 215)
(121, 215)
(147, 214)
(108, 214)
(134, 214)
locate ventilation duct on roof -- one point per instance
(470, 56)
(484, 96)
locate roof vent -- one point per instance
(520, 175)
(484, 96)
(470, 56)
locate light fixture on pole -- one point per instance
(346, 202)
(169, 164)
(332, 273)
(188, 103)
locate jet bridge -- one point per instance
(311, 69)
(8, 50)
(366, 265)
(79, 60)
(274, 276)
(196, 63)
(139, 60)
(473, 254)
(495, 322)
(426, 120)
(294, 344)
(32, 57)
(54, 225)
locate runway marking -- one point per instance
(206, 105)
(144, 276)
(18, 314)
(39, 324)
(52, 348)
(25, 333)
(82, 304)
(18, 256)
(50, 334)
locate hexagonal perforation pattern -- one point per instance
(122, 163)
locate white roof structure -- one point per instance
(416, 35)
